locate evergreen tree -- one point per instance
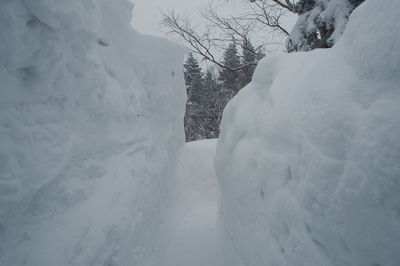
(209, 79)
(194, 86)
(320, 23)
(211, 105)
(193, 77)
(229, 77)
(197, 88)
(210, 87)
(191, 69)
(249, 59)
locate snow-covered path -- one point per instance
(195, 235)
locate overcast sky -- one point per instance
(146, 14)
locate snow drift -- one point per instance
(309, 156)
(90, 124)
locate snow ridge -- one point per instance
(308, 159)
(90, 127)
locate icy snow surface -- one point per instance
(309, 156)
(90, 128)
(195, 234)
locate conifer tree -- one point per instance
(228, 76)
(193, 76)
(212, 104)
(320, 23)
(194, 86)
(191, 69)
(249, 58)
(210, 87)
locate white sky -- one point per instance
(147, 17)
(146, 14)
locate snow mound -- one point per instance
(90, 127)
(309, 155)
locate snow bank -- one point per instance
(309, 156)
(90, 127)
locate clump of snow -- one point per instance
(90, 127)
(320, 20)
(308, 159)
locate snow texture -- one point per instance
(91, 122)
(195, 233)
(330, 15)
(308, 159)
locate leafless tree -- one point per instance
(211, 38)
(311, 31)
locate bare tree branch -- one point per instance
(219, 30)
(200, 44)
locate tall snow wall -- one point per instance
(309, 155)
(90, 126)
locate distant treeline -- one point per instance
(208, 92)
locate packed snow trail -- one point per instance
(195, 235)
